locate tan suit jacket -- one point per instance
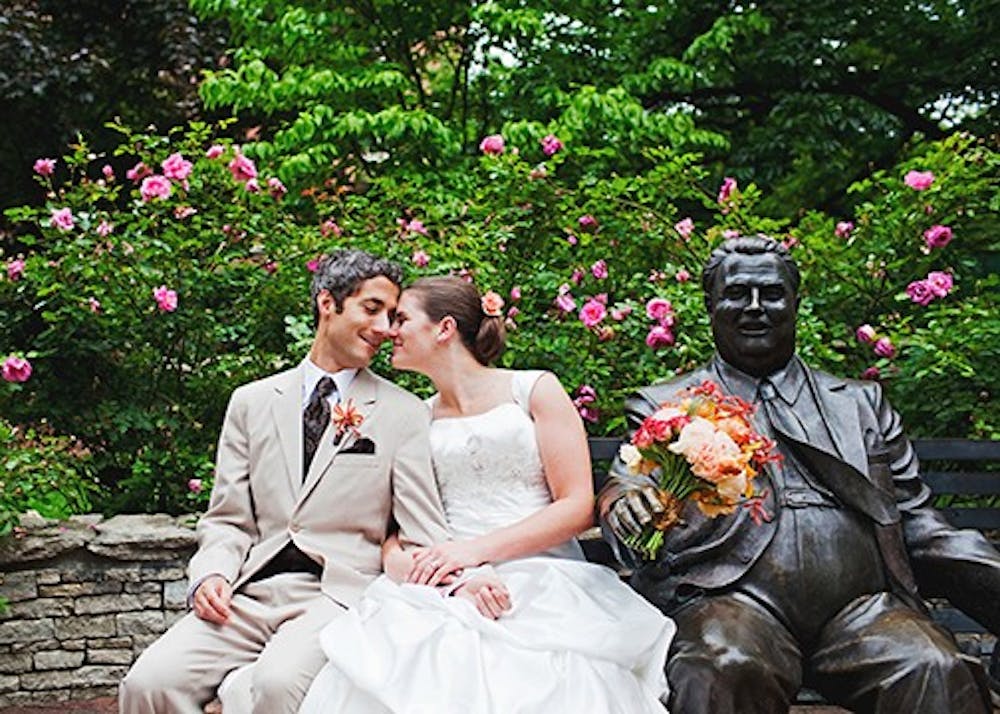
(340, 514)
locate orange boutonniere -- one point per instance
(346, 418)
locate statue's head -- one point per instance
(751, 292)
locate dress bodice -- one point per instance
(488, 467)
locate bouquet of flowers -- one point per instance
(704, 449)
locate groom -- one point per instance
(825, 591)
(312, 465)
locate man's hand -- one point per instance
(211, 599)
(397, 564)
(634, 509)
(488, 594)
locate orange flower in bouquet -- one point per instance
(701, 448)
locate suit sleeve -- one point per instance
(416, 504)
(959, 564)
(228, 529)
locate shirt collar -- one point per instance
(787, 381)
(311, 374)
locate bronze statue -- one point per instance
(826, 592)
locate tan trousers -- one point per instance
(275, 622)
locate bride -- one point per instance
(516, 620)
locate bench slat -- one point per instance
(957, 449)
(956, 620)
(981, 518)
(973, 483)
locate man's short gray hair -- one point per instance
(341, 273)
(746, 245)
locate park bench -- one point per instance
(965, 490)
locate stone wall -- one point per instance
(84, 598)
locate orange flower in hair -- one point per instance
(492, 304)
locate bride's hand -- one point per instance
(488, 594)
(432, 565)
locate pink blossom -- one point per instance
(938, 236)
(585, 396)
(592, 312)
(270, 267)
(313, 265)
(251, 186)
(104, 229)
(602, 298)
(194, 485)
(871, 374)
(885, 348)
(276, 188)
(138, 172)
(62, 218)
(330, 226)
(539, 172)
(45, 167)
(182, 212)
(515, 292)
(682, 276)
(940, 282)
(587, 223)
(843, 229)
(109, 173)
(577, 277)
(155, 187)
(660, 309)
(865, 333)
(730, 233)
(242, 168)
(726, 189)
(16, 369)
(412, 226)
(919, 180)
(564, 301)
(685, 228)
(620, 312)
(551, 145)
(657, 276)
(95, 305)
(599, 270)
(920, 292)
(659, 337)
(15, 269)
(215, 151)
(513, 312)
(790, 242)
(178, 168)
(166, 299)
(571, 239)
(420, 259)
(492, 144)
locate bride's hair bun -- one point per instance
(483, 335)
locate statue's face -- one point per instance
(753, 313)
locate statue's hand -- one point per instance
(633, 510)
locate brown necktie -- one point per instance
(315, 419)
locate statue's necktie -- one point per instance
(315, 419)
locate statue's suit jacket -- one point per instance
(341, 512)
(918, 546)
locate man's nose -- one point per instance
(754, 299)
(383, 326)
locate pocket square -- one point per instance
(364, 445)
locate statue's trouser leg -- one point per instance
(877, 655)
(731, 655)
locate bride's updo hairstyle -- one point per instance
(482, 334)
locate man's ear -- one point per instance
(325, 304)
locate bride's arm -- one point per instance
(562, 444)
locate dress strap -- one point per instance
(521, 384)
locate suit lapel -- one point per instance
(362, 393)
(840, 412)
(287, 412)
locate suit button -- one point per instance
(745, 557)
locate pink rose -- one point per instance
(865, 333)
(492, 144)
(599, 270)
(515, 292)
(276, 188)
(564, 301)
(414, 226)
(843, 229)
(587, 223)
(242, 168)
(95, 305)
(620, 312)
(194, 485)
(885, 348)
(178, 168)
(420, 259)
(15, 269)
(62, 218)
(551, 145)
(659, 309)
(16, 369)
(270, 267)
(215, 151)
(155, 187)
(571, 239)
(730, 233)
(182, 212)
(659, 337)
(45, 167)
(577, 277)
(109, 173)
(920, 292)
(682, 276)
(685, 228)
(138, 172)
(166, 299)
(313, 265)
(104, 229)
(871, 374)
(513, 312)
(939, 282)
(330, 226)
(919, 180)
(938, 236)
(790, 242)
(592, 312)
(251, 186)
(726, 189)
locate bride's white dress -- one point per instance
(576, 639)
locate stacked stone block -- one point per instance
(84, 598)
